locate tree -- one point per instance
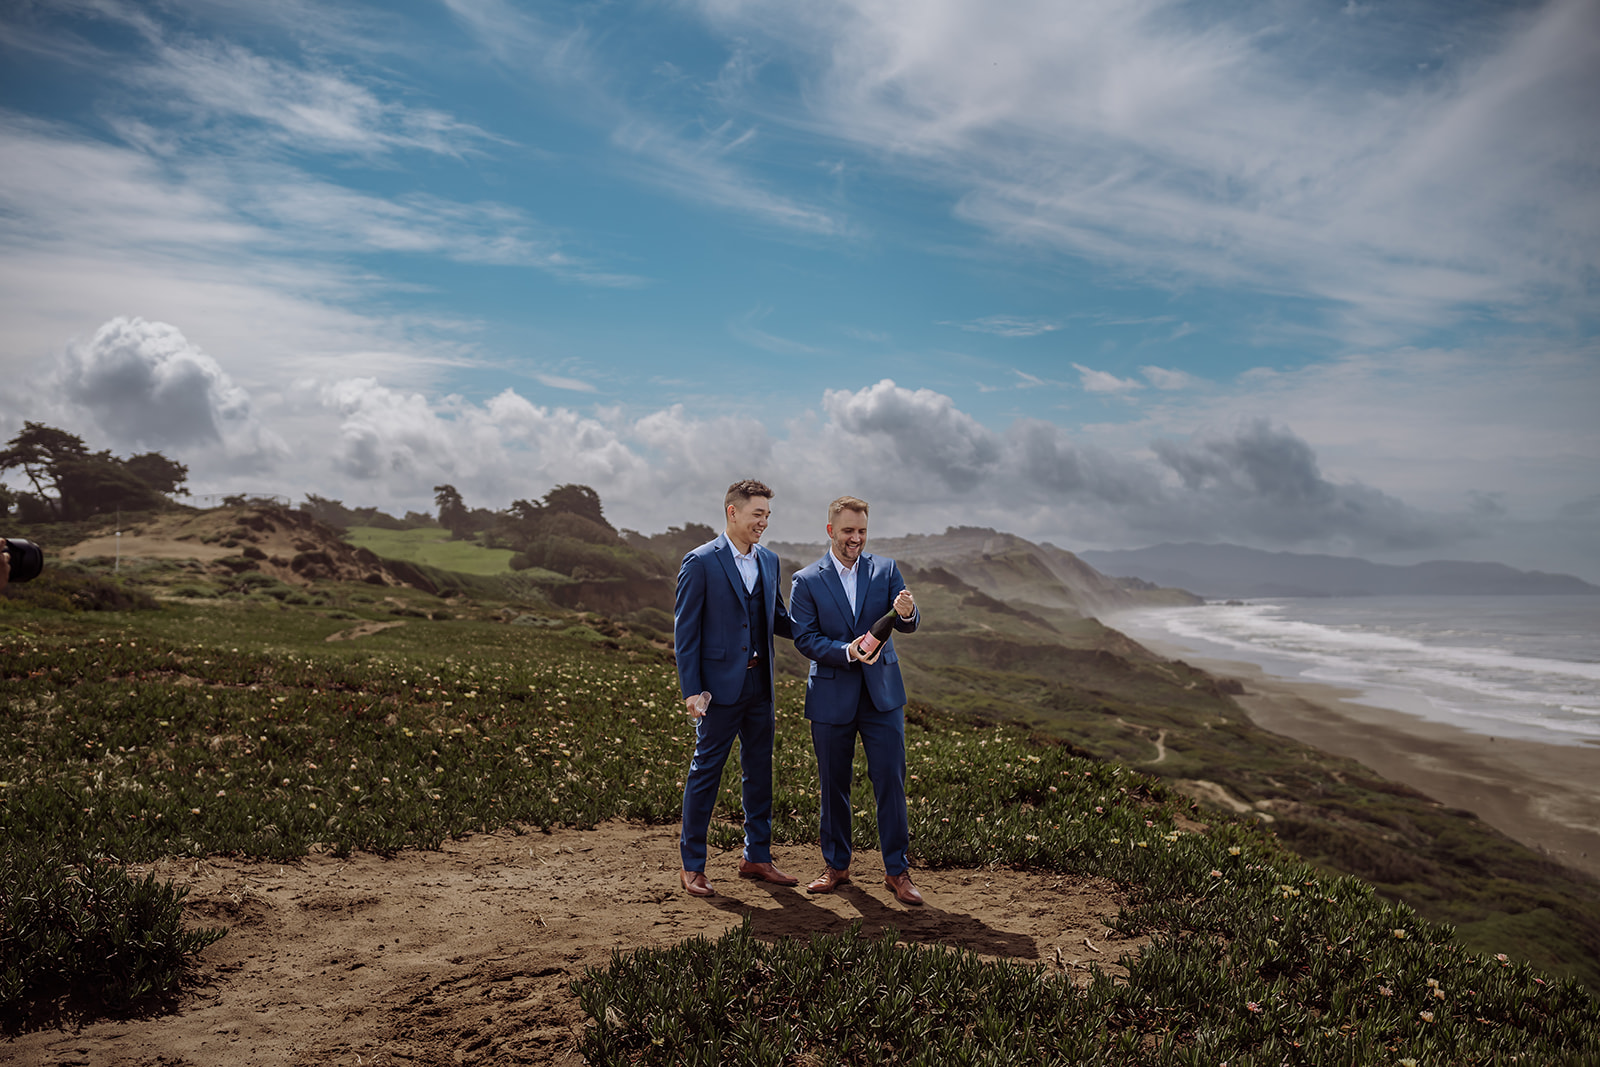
(40, 451)
(70, 482)
(157, 471)
(577, 500)
(99, 482)
(453, 514)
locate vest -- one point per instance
(755, 606)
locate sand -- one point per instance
(467, 955)
(1545, 796)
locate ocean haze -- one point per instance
(1220, 570)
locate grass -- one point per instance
(232, 726)
(1091, 689)
(431, 546)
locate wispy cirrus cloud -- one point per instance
(1169, 379)
(557, 381)
(745, 328)
(1007, 326)
(316, 108)
(695, 159)
(1181, 146)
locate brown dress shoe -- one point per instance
(904, 891)
(766, 872)
(694, 882)
(828, 881)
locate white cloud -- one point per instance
(701, 167)
(148, 388)
(1169, 380)
(1099, 381)
(1183, 145)
(1007, 326)
(252, 257)
(744, 328)
(298, 105)
(912, 433)
(922, 460)
(556, 381)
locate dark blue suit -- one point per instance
(718, 627)
(845, 698)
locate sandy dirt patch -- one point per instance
(466, 955)
(131, 546)
(365, 629)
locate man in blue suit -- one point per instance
(728, 611)
(832, 603)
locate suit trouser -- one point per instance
(883, 738)
(750, 719)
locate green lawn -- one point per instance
(431, 546)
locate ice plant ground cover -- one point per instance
(236, 728)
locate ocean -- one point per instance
(1526, 667)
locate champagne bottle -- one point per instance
(876, 636)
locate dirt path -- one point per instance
(466, 955)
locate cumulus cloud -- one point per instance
(914, 431)
(923, 461)
(1262, 482)
(146, 386)
(393, 442)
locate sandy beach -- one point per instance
(1545, 796)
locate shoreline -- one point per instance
(1546, 797)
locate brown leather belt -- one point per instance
(753, 661)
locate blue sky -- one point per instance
(1304, 276)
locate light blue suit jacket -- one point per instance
(710, 626)
(824, 624)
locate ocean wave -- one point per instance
(1428, 663)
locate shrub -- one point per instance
(80, 926)
(69, 587)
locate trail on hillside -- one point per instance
(467, 954)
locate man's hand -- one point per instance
(905, 605)
(696, 705)
(853, 651)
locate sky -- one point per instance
(1303, 276)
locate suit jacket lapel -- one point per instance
(830, 578)
(767, 567)
(863, 583)
(724, 552)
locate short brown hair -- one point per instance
(845, 503)
(739, 492)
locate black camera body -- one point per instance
(27, 559)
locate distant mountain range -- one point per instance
(1231, 571)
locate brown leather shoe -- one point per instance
(904, 891)
(828, 881)
(695, 884)
(766, 872)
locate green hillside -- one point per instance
(431, 546)
(197, 728)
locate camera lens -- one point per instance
(27, 559)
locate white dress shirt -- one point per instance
(747, 566)
(847, 578)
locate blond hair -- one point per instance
(845, 503)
